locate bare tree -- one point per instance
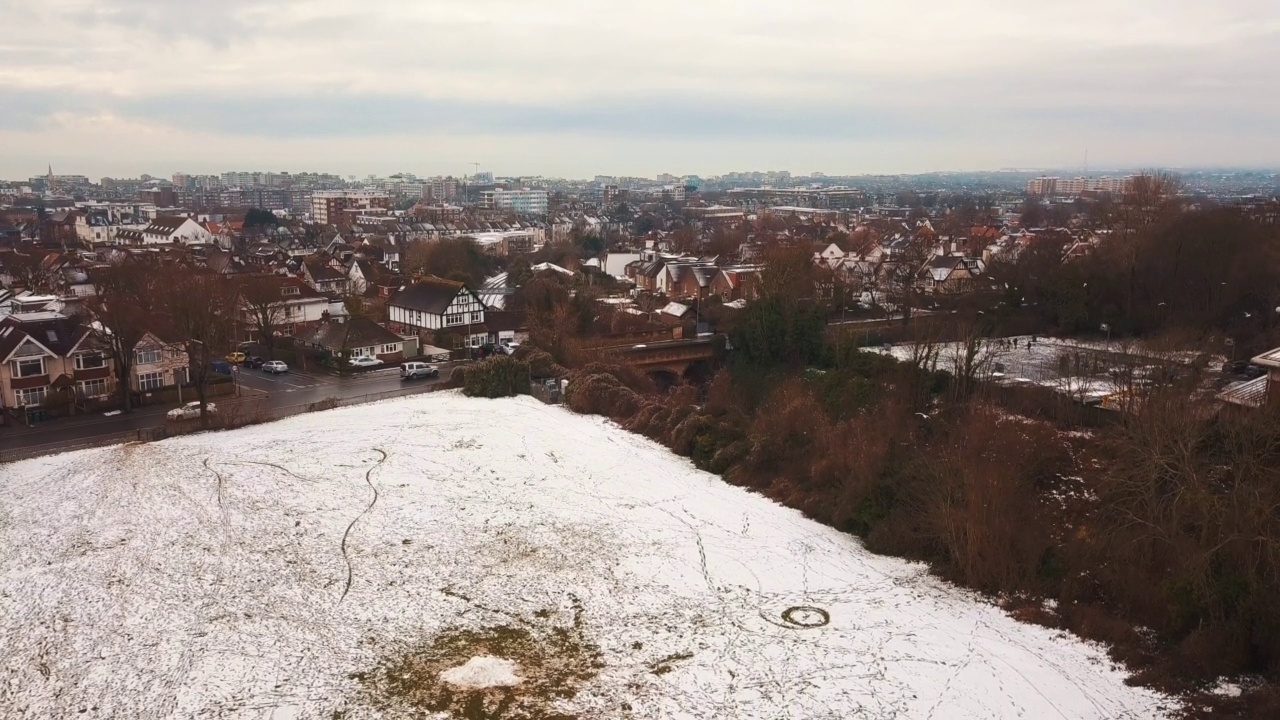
(202, 308)
(1151, 196)
(971, 358)
(901, 277)
(262, 301)
(124, 311)
(30, 272)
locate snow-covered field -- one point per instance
(270, 572)
(1087, 371)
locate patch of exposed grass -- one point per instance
(555, 662)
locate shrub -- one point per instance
(497, 377)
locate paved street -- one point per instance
(257, 390)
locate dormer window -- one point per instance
(290, 290)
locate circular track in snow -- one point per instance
(805, 616)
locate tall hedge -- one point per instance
(497, 377)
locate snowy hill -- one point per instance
(480, 559)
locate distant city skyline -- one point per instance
(571, 89)
(799, 177)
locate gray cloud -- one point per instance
(980, 83)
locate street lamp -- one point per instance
(1106, 328)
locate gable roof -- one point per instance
(52, 332)
(321, 271)
(167, 224)
(354, 333)
(430, 296)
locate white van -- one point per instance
(414, 370)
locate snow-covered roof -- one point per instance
(551, 266)
(675, 309)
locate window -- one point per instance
(147, 357)
(389, 349)
(31, 367)
(453, 319)
(89, 361)
(150, 381)
(477, 317)
(93, 388)
(290, 290)
(30, 396)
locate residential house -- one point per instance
(506, 327)
(356, 337)
(158, 365)
(48, 359)
(830, 256)
(169, 230)
(361, 273)
(299, 308)
(688, 281)
(325, 274)
(949, 274)
(437, 304)
(384, 250)
(225, 263)
(738, 282)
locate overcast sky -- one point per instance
(577, 88)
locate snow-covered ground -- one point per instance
(1084, 370)
(267, 572)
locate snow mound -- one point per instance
(482, 672)
(336, 564)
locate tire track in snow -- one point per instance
(222, 506)
(368, 478)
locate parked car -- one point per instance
(274, 366)
(414, 370)
(254, 362)
(235, 358)
(363, 361)
(190, 411)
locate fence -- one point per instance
(548, 391)
(231, 415)
(250, 415)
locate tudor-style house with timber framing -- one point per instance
(435, 304)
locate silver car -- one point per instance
(413, 370)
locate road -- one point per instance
(257, 390)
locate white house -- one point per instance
(299, 307)
(175, 229)
(437, 304)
